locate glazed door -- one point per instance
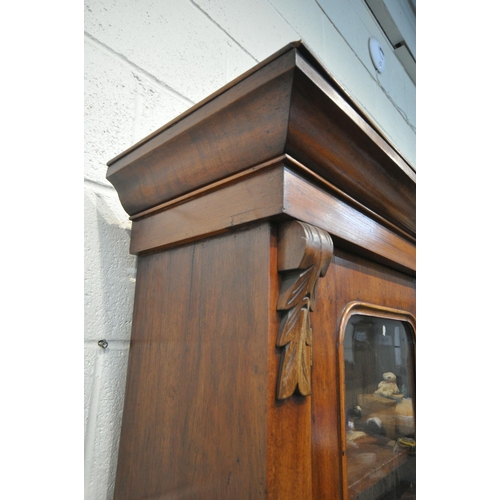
(364, 444)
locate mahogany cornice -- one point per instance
(287, 105)
(276, 190)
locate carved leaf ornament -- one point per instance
(304, 254)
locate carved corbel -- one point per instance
(304, 254)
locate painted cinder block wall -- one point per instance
(146, 61)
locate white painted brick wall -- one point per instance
(174, 41)
(145, 63)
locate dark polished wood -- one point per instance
(201, 419)
(304, 254)
(287, 105)
(224, 208)
(272, 191)
(260, 218)
(349, 279)
(331, 138)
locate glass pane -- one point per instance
(380, 412)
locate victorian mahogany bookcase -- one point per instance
(273, 341)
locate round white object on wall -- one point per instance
(377, 54)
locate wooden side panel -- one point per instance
(195, 417)
(289, 470)
(349, 278)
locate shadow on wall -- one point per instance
(109, 294)
(112, 271)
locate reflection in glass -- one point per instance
(380, 410)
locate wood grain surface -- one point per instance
(211, 195)
(289, 105)
(304, 254)
(275, 191)
(200, 418)
(242, 127)
(349, 278)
